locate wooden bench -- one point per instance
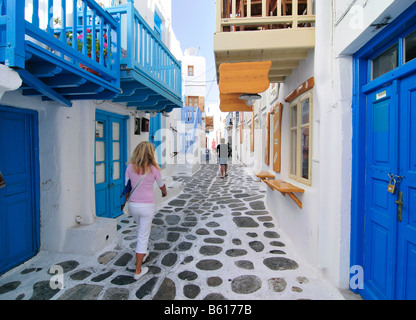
(285, 188)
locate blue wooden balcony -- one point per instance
(191, 115)
(151, 77)
(51, 47)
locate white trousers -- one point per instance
(143, 214)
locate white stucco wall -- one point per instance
(194, 85)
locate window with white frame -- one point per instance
(300, 155)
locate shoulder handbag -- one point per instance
(126, 205)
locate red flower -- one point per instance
(88, 30)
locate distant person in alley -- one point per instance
(142, 200)
(222, 150)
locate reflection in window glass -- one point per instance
(293, 139)
(386, 61)
(410, 47)
(294, 116)
(305, 153)
(305, 111)
(99, 129)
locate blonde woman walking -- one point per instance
(142, 201)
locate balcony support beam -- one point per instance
(42, 88)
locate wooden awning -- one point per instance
(244, 77)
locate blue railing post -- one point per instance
(131, 35)
(15, 34)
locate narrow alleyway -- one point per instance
(216, 240)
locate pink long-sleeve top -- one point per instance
(144, 192)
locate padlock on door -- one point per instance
(2, 182)
(392, 185)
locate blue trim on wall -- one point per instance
(399, 28)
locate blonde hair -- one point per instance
(143, 157)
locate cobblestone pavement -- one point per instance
(216, 240)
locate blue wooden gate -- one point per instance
(110, 163)
(19, 199)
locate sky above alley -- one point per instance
(193, 22)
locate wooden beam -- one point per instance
(307, 85)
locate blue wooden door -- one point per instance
(406, 264)
(380, 222)
(110, 160)
(390, 237)
(19, 199)
(155, 136)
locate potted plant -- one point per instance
(90, 47)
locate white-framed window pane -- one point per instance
(305, 152)
(305, 111)
(99, 151)
(293, 144)
(294, 116)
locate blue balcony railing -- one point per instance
(147, 56)
(61, 39)
(191, 115)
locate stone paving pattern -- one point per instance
(215, 241)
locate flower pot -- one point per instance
(82, 66)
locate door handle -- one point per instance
(399, 203)
(2, 182)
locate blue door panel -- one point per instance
(101, 201)
(19, 200)
(20, 241)
(410, 281)
(378, 263)
(380, 207)
(406, 252)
